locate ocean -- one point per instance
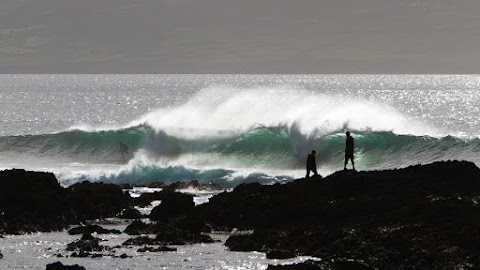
(232, 129)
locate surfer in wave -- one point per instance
(123, 149)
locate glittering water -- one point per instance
(35, 251)
(228, 129)
(32, 104)
(232, 129)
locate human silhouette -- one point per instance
(311, 163)
(123, 149)
(349, 151)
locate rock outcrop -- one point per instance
(422, 217)
(34, 201)
(60, 266)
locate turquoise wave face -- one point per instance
(217, 158)
(101, 146)
(261, 144)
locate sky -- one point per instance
(239, 36)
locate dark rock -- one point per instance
(420, 217)
(280, 254)
(91, 229)
(146, 199)
(158, 249)
(130, 213)
(97, 200)
(81, 254)
(124, 256)
(138, 227)
(308, 265)
(323, 265)
(34, 201)
(1, 255)
(192, 184)
(87, 243)
(175, 235)
(140, 241)
(173, 205)
(60, 266)
(349, 265)
(174, 232)
(30, 202)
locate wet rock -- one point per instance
(87, 243)
(323, 265)
(34, 201)
(138, 227)
(192, 184)
(30, 202)
(420, 217)
(308, 265)
(280, 254)
(350, 265)
(124, 256)
(157, 249)
(86, 254)
(89, 229)
(140, 241)
(130, 213)
(60, 266)
(175, 235)
(173, 205)
(97, 200)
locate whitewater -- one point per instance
(232, 129)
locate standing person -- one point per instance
(311, 164)
(349, 151)
(123, 149)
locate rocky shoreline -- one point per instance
(420, 217)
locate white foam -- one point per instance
(223, 109)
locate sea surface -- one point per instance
(232, 129)
(35, 251)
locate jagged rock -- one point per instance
(124, 256)
(174, 232)
(280, 254)
(158, 249)
(30, 202)
(140, 241)
(192, 184)
(138, 227)
(169, 234)
(308, 265)
(350, 265)
(60, 266)
(130, 213)
(173, 205)
(323, 265)
(86, 254)
(34, 201)
(87, 243)
(97, 200)
(91, 229)
(422, 217)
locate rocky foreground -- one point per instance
(420, 217)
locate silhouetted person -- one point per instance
(123, 149)
(311, 164)
(349, 151)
